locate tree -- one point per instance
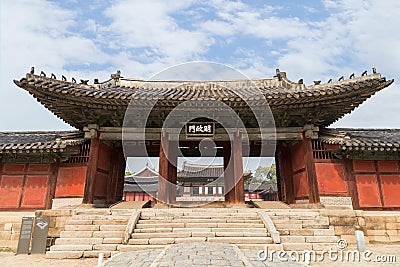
(263, 175)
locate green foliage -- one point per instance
(263, 175)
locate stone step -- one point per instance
(316, 226)
(159, 225)
(109, 234)
(112, 240)
(95, 253)
(182, 212)
(106, 247)
(99, 217)
(293, 226)
(215, 229)
(322, 239)
(111, 221)
(199, 225)
(240, 225)
(214, 220)
(202, 217)
(302, 221)
(293, 239)
(112, 227)
(324, 246)
(90, 211)
(295, 213)
(125, 248)
(224, 239)
(241, 240)
(270, 247)
(88, 217)
(241, 234)
(296, 217)
(79, 241)
(311, 232)
(190, 239)
(64, 254)
(160, 235)
(288, 225)
(82, 227)
(234, 229)
(79, 222)
(309, 246)
(297, 246)
(188, 234)
(74, 247)
(79, 234)
(155, 230)
(199, 215)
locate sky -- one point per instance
(313, 40)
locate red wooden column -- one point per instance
(52, 182)
(228, 173)
(285, 173)
(351, 182)
(233, 177)
(167, 170)
(91, 170)
(112, 176)
(119, 191)
(172, 171)
(311, 173)
(116, 174)
(1, 169)
(238, 161)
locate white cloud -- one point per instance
(260, 23)
(138, 24)
(38, 36)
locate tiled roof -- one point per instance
(202, 171)
(140, 184)
(38, 142)
(362, 139)
(105, 103)
(196, 170)
(260, 187)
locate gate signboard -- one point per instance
(200, 129)
(25, 235)
(39, 239)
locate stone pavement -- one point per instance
(192, 254)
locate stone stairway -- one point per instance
(303, 230)
(90, 232)
(157, 228)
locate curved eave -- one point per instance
(320, 104)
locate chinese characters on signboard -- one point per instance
(199, 129)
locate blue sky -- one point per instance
(313, 40)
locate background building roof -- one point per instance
(362, 139)
(39, 142)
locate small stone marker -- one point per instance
(25, 235)
(360, 239)
(40, 232)
(100, 259)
